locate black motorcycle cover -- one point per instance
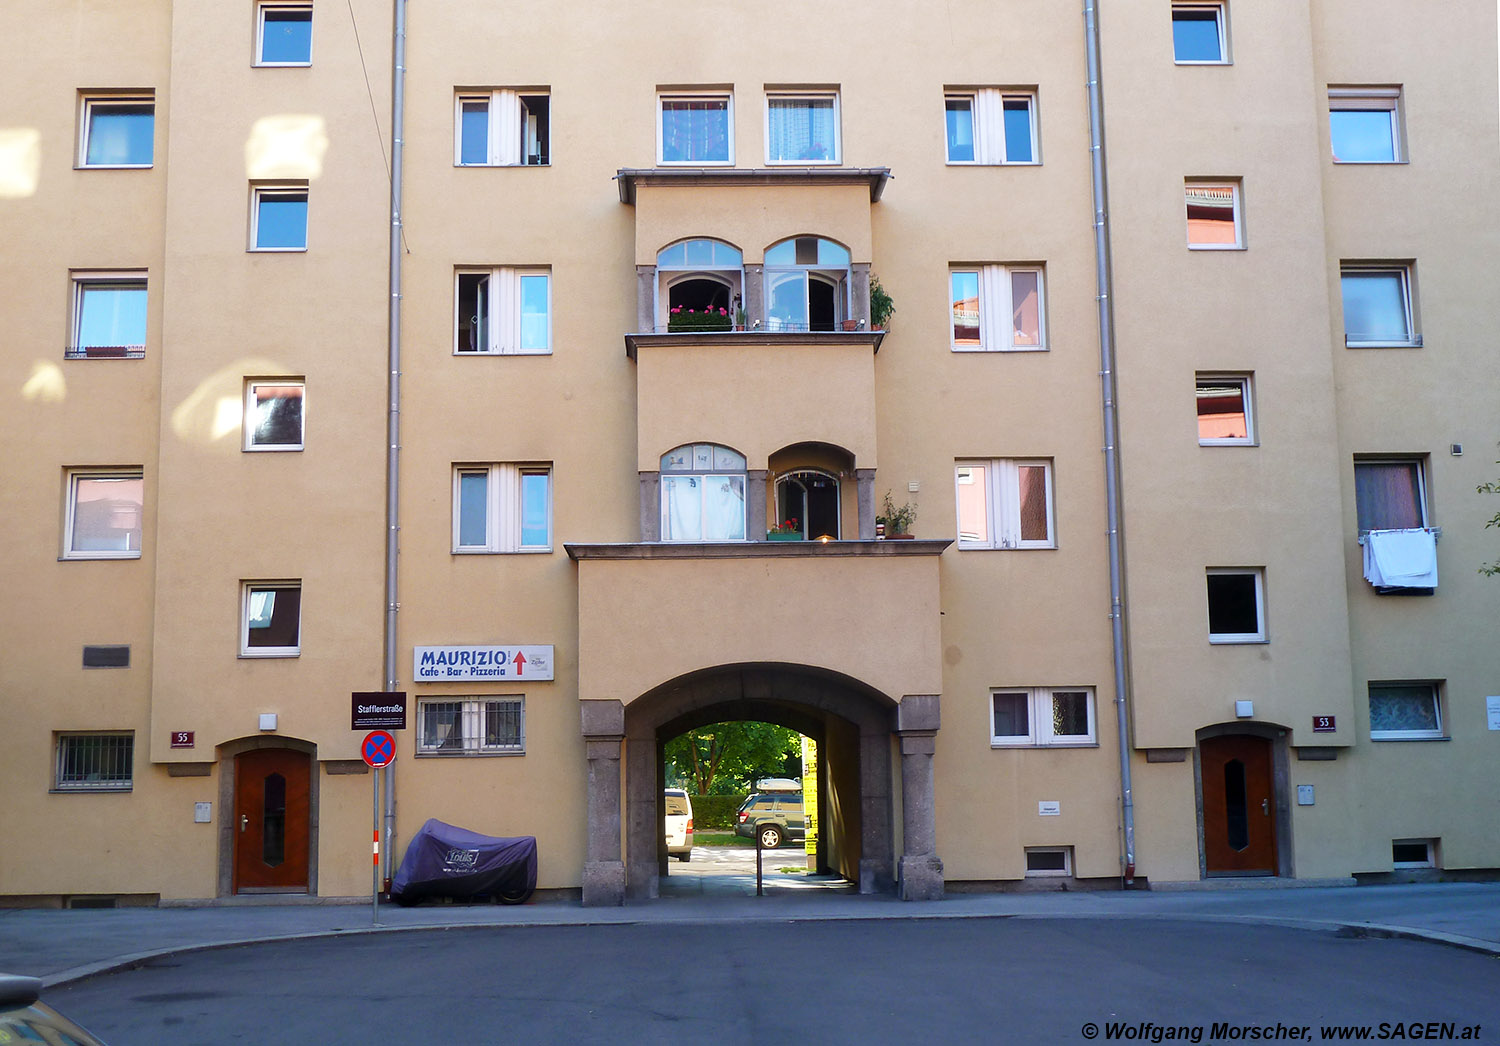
(443, 860)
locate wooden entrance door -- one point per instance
(1239, 806)
(271, 820)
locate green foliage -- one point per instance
(1494, 521)
(897, 520)
(729, 757)
(882, 308)
(716, 811)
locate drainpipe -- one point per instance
(393, 424)
(1104, 284)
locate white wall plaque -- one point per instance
(439, 664)
(203, 813)
(1305, 795)
(1492, 712)
(1049, 808)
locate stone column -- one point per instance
(877, 842)
(755, 504)
(643, 828)
(859, 293)
(645, 299)
(603, 870)
(650, 506)
(755, 297)
(865, 478)
(920, 872)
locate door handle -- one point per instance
(244, 822)
(1265, 807)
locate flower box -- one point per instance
(776, 535)
(688, 320)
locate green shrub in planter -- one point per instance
(682, 320)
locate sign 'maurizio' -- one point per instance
(448, 663)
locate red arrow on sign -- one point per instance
(519, 661)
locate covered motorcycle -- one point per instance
(443, 860)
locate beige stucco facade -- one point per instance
(909, 661)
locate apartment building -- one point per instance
(1200, 463)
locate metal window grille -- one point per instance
(95, 761)
(504, 727)
(472, 727)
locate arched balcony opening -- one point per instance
(807, 285)
(699, 286)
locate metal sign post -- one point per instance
(379, 751)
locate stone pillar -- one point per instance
(755, 504)
(876, 838)
(859, 293)
(643, 828)
(650, 506)
(755, 297)
(645, 299)
(603, 870)
(920, 873)
(865, 478)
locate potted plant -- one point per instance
(882, 308)
(786, 530)
(708, 319)
(897, 521)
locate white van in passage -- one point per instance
(679, 824)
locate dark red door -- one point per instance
(271, 819)
(1239, 805)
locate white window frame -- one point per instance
(262, 192)
(987, 116)
(695, 96)
(836, 149)
(88, 104)
(1221, 22)
(131, 279)
(1431, 860)
(251, 384)
(1003, 503)
(672, 467)
(247, 589)
(1188, 186)
(1369, 99)
(503, 507)
(1039, 708)
(1434, 687)
(505, 125)
(121, 783)
(1402, 461)
(997, 307)
(472, 711)
(1231, 638)
(260, 34)
(76, 475)
(1401, 270)
(1066, 871)
(503, 332)
(1246, 383)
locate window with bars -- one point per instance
(94, 762)
(473, 726)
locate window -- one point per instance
(1378, 306)
(271, 619)
(701, 284)
(1406, 712)
(283, 34)
(1199, 35)
(503, 312)
(117, 131)
(109, 316)
(702, 494)
(1049, 860)
(94, 762)
(278, 218)
(502, 508)
(807, 284)
(1042, 717)
(802, 128)
(1225, 417)
(1364, 124)
(991, 126)
(1390, 494)
(983, 295)
(1413, 853)
(1236, 605)
(1005, 503)
(103, 518)
(502, 128)
(273, 414)
(472, 726)
(696, 129)
(1213, 216)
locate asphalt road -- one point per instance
(952, 980)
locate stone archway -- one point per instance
(862, 722)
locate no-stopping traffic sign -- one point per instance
(378, 749)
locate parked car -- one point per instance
(771, 818)
(25, 1019)
(679, 824)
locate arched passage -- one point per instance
(857, 727)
